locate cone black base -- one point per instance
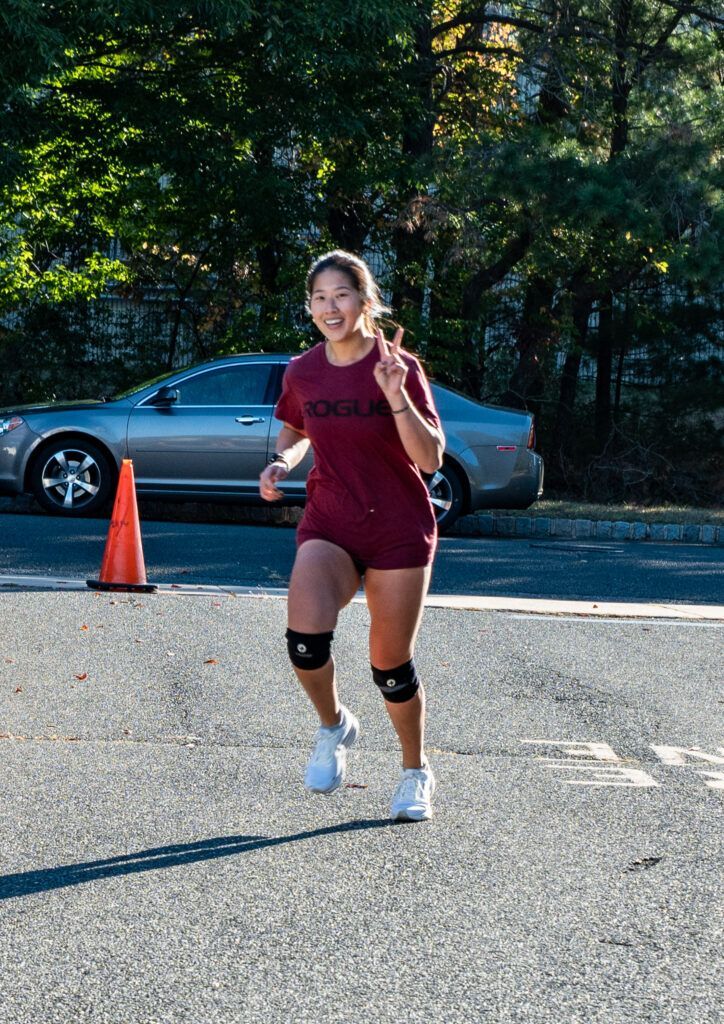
(136, 588)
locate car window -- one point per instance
(228, 385)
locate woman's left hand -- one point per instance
(390, 372)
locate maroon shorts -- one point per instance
(372, 549)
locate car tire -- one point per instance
(447, 494)
(56, 462)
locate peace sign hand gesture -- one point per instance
(390, 372)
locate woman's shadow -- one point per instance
(23, 883)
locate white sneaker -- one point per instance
(326, 768)
(413, 797)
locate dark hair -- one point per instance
(360, 277)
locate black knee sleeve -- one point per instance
(397, 685)
(309, 650)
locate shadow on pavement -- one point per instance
(24, 883)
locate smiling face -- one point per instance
(337, 307)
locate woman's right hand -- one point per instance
(268, 481)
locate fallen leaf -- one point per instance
(85, 627)
(643, 862)
(18, 689)
(211, 661)
(82, 676)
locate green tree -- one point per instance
(518, 169)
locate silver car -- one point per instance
(205, 433)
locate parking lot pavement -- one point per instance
(161, 861)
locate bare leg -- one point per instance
(323, 581)
(408, 720)
(395, 599)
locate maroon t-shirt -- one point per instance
(363, 490)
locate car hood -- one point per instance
(61, 407)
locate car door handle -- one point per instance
(247, 421)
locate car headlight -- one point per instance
(10, 423)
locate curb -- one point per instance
(585, 529)
(476, 525)
(530, 607)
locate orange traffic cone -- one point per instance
(123, 567)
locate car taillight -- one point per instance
(531, 435)
(10, 423)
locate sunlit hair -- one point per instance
(360, 277)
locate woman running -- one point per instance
(365, 406)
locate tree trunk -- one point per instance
(417, 140)
(620, 90)
(619, 380)
(347, 224)
(603, 422)
(563, 430)
(525, 389)
(269, 261)
(620, 85)
(463, 362)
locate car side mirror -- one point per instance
(166, 396)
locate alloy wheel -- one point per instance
(71, 479)
(441, 494)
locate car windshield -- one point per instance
(140, 387)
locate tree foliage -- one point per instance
(539, 183)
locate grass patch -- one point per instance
(617, 513)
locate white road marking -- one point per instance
(608, 769)
(716, 777)
(592, 751)
(608, 772)
(677, 756)
(612, 775)
(471, 602)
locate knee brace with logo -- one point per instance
(397, 685)
(309, 650)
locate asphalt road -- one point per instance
(162, 864)
(263, 556)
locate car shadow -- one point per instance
(26, 883)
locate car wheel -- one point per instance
(447, 495)
(72, 477)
